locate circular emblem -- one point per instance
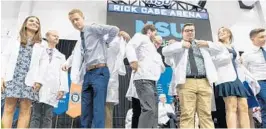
(75, 97)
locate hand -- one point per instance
(256, 109)
(186, 44)
(60, 95)
(134, 66)
(171, 41)
(202, 43)
(125, 35)
(65, 67)
(37, 86)
(3, 85)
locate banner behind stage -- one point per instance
(168, 22)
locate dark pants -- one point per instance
(262, 101)
(93, 98)
(42, 115)
(172, 121)
(219, 116)
(147, 93)
(136, 109)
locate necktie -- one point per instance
(82, 40)
(193, 66)
(50, 53)
(263, 52)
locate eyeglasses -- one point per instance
(188, 30)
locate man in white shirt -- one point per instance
(115, 56)
(193, 75)
(55, 83)
(166, 113)
(255, 61)
(147, 64)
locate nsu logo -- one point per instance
(158, 2)
(164, 29)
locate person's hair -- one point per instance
(47, 34)
(73, 11)
(187, 24)
(256, 31)
(230, 33)
(147, 27)
(37, 38)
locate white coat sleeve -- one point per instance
(215, 48)
(5, 56)
(173, 48)
(69, 60)
(131, 47)
(120, 57)
(76, 63)
(63, 79)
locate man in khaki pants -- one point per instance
(193, 75)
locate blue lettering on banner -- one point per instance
(164, 29)
(157, 11)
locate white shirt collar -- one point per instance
(255, 48)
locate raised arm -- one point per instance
(173, 48)
(112, 31)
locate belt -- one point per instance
(95, 66)
(197, 76)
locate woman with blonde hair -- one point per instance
(229, 85)
(20, 72)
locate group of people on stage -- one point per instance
(34, 74)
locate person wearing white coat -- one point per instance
(193, 76)
(228, 85)
(166, 114)
(147, 64)
(132, 95)
(20, 72)
(115, 57)
(55, 83)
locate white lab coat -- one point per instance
(77, 69)
(69, 60)
(131, 91)
(9, 60)
(141, 49)
(115, 63)
(245, 75)
(224, 66)
(128, 120)
(226, 71)
(176, 56)
(162, 112)
(54, 78)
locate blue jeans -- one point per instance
(262, 101)
(93, 97)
